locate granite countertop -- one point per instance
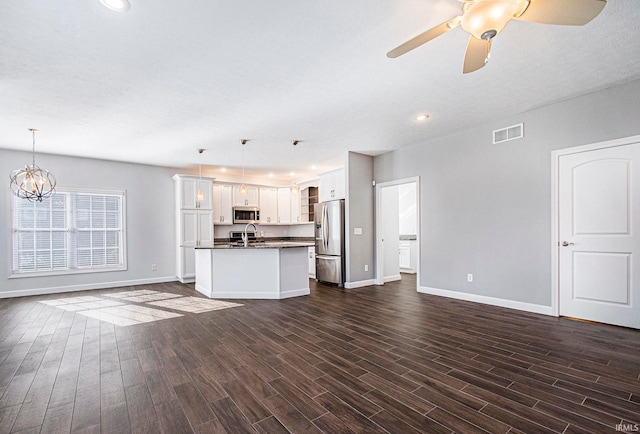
(257, 245)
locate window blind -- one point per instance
(69, 231)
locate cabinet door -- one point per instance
(189, 192)
(222, 204)
(295, 207)
(312, 262)
(268, 206)
(206, 186)
(238, 198)
(332, 185)
(405, 255)
(188, 228)
(190, 188)
(339, 184)
(205, 227)
(251, 198)
(284, 205)
(326, 187)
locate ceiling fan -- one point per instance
(484, 19)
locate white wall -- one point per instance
(486, 209)
(150, 221)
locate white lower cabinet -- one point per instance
(408, 254)
(405, 254)
(195, 228)
(312, 261)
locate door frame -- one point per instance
(555, 207)
(379, 276)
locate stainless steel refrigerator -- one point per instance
(329, 229)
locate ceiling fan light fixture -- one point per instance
(489, 16)
(116, 5)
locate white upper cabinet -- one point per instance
(284, 205)
(189, 192)
(251, 199)
(332, 185)
(222, 204)
(268, 205)
(295, 207)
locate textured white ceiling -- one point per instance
(154, 84)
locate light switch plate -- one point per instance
(357, 231)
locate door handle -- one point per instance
(566, 243)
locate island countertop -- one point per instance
(257, 245)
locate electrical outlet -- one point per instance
(366, 268)
(469, 277)
(154, 267)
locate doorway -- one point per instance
(397, 230)
(597, 245)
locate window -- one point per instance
(71, 232)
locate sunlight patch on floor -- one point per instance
(129, 314)
(142, 296)
(121, 313)
(194, 304)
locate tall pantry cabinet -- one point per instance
(194, 222)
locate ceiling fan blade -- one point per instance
(423, 38)
(476, 55)
(562, 12)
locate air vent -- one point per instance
(509, 133)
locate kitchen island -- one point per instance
(272, 270)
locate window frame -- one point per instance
(70, 271)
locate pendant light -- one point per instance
(33, 183)
(200, 195)
(243, 187)
(294, 188)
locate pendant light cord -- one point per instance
(33, 146)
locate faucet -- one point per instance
(245, 237)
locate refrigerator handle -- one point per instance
(325, 226)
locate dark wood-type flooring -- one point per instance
(368, 360)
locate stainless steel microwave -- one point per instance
(246, 214)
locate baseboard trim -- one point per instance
(87, 287)
(359, 284)
(493, 301)
(391, 278)
(254, 295)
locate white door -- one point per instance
(599, 251)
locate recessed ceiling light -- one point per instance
(422, 117)
(271, 175)
(224, 169)
(314, 167)
(292, 173)
(117, 5)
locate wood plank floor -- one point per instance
(368, 360)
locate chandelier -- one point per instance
(33, 183)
